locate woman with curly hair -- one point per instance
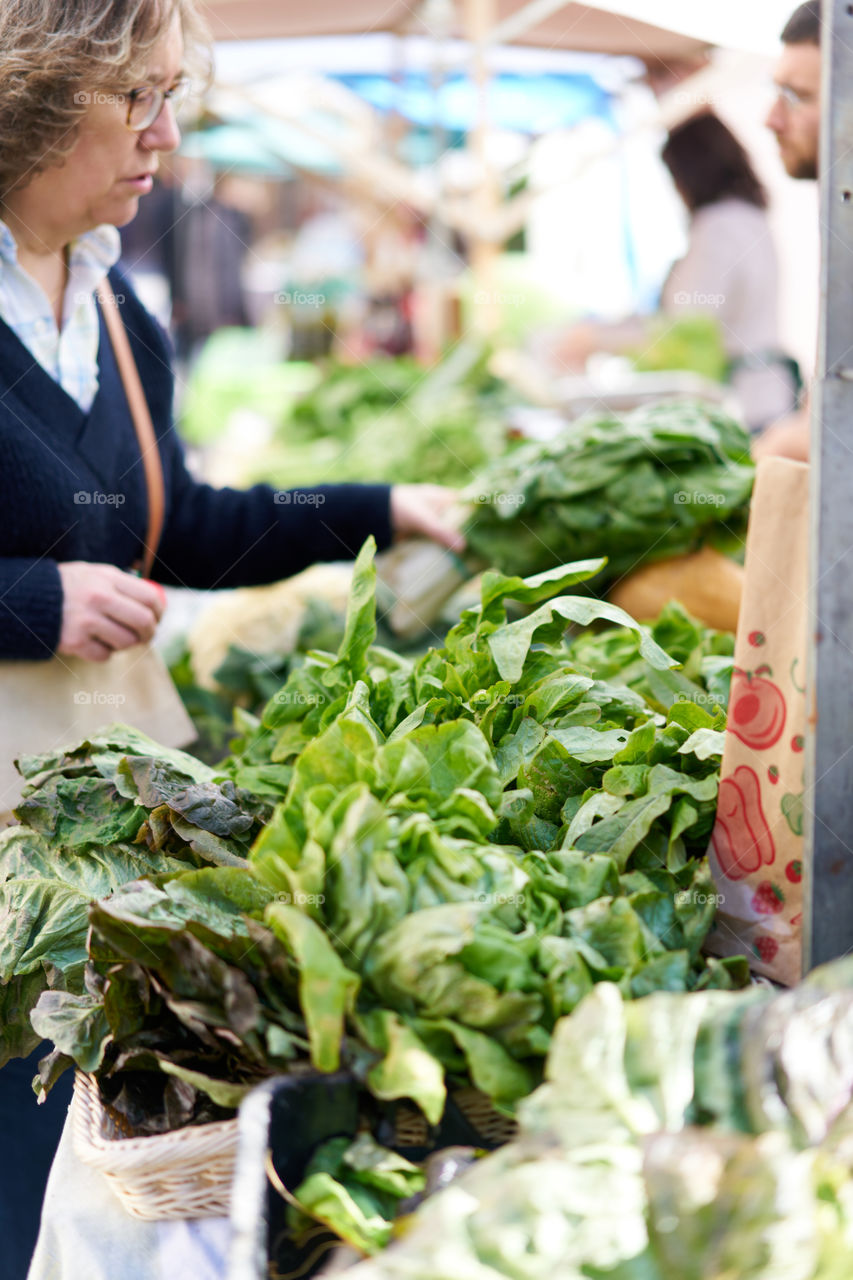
(88, 91)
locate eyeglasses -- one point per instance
(144, 105)
(791, 98)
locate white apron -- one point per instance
(48, 705)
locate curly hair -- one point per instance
(51, 50)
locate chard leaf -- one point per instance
(510, 644)
(327, 989)
(407, 1069)
(385, 1170)
(492, 1069)
(360, 632)
(353, 1213)
(222, 1092)
(542, 586)
(77, 1025)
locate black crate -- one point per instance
(284, 1121)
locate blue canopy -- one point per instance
(533, 104)
(256, 144)
(236, 147)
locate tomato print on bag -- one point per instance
(757, 710)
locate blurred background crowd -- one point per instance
(598, 219)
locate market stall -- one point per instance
(493, 211)
(431, 903)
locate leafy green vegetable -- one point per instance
(445, 855)
(44, 902)
(389, 420)
(653, 483)
(77, 1025)
(327, 989)
(677, 1137)
(511, 644)
(180, 972)
(353, 1188)
(406, 1067)
(693, 343)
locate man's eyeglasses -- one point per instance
(144, 105)
(791, 98)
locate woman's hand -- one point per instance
(428, 511)
(573, 348)
(105, 610)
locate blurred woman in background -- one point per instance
(730, 272)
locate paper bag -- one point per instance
(757, 844)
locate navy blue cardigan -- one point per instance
(73, 488)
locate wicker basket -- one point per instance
(478, 1110)
(185, 1174)
(412, 1130)
(188, 1173)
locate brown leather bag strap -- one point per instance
(144, 428)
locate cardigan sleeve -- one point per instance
(240, 538)
(30, 608)
(229, 537)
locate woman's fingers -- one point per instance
(91, 651)
(145, 592)
(427, 510)
(112, 634)
(138, 619)
(105, 610)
